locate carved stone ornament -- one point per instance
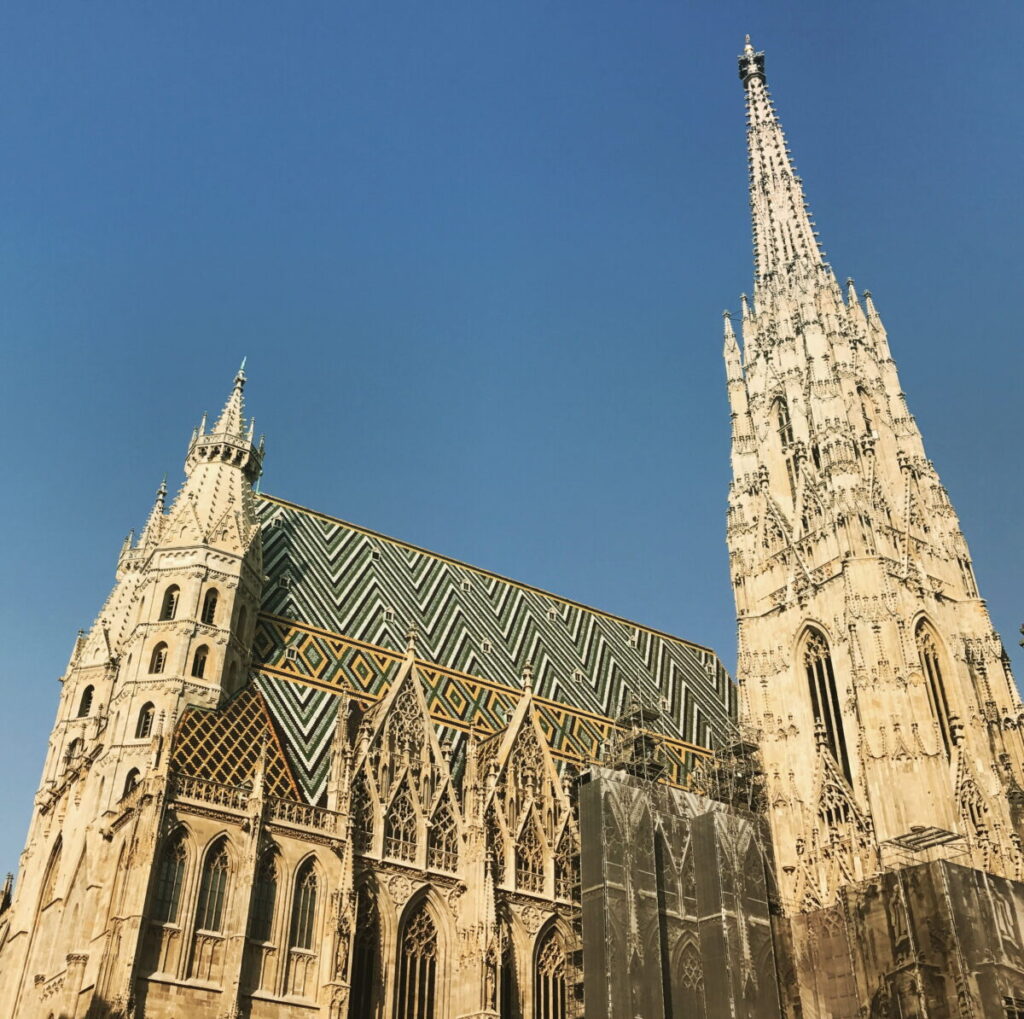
(454, 895)
(400, 888)
(532, 918)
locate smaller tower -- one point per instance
(175, 630)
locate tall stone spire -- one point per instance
(785, 242)
(872, 678)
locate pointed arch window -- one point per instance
(144, 726)
(85, 704)
(73, 752)
(158, 659)
(199, 661)
(304, 907)
(130, 782)
(443, 839)
(264, 898)
(169, 880)
(550, 983)
(169, 605)
(417, 968)
(366, 975)
(928, 651)
(49, 892)
(821, 682)
(209, 613)
(400, 827)
(530, 858)
(243, 618)
(213, 889)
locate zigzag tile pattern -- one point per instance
(339, 600)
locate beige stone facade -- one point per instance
(871, 677)
(250, 810)
(172, 867)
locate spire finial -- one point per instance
(232, 417)
(785, 242)
(412, 636)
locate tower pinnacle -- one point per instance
(785, 243)
(230, 440)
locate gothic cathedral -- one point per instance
(301, 769)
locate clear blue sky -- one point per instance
(477, 255)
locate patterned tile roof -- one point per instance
(340, 599)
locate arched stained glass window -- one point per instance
(416, 996)
(213, 889)
(821, 682)
(304, 907)
(550, 982)
(169, 880)
(366, 976)
(264, 898)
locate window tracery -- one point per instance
(169, 879)
(404, 726)
(550, 978)
(212, 889)
(821, 682)
(400, 827)
(443, 839)
(530, 858)
(416, 996)
(304, 907)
